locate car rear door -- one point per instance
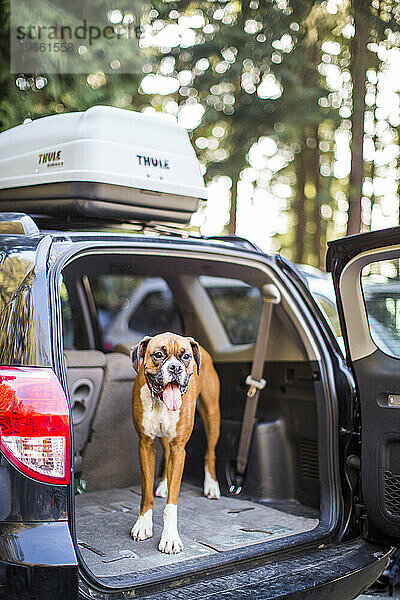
(366, 274)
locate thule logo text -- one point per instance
(150, 161)
(51, 159)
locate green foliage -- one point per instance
(33, 95)
(252, 68)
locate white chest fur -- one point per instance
(158, 421)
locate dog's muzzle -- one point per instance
(169, 384)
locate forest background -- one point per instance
(292, 107)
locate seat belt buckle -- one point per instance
(233, 478)
(254, 385)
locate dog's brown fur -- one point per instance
(203, 385)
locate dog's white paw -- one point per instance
(162, 489)
(211, 486)
(143, 528)
(170, 542)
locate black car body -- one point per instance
(40, 557)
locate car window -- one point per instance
(111, 294)
(330, 311)
(238, 306)
(156, 313)
(381, 289)
(321, 287)
(130, 307)
(67, 318)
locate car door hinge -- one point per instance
(359, 510)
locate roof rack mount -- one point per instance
(17, 224)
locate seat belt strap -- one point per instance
(270, 296)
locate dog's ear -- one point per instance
(138, 352)
(196, 352)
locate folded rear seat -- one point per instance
(111, 456)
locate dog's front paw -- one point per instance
(170, 542)
(143, 528)
(211, 486)
(162, 489)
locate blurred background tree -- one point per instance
(292, 106)
(375, 25)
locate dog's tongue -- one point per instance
(172, 396)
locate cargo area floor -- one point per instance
(104, 519)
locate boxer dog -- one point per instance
(174, 372)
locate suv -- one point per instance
(318, 511)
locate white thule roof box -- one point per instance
(105, 163)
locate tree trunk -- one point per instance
(367, 226)
(301, 207)
(233, 207)
(359, 64)
(317, 203)
(238, 78)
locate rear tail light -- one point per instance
(34, 423)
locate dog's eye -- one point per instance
(158, 355)
(186, 356)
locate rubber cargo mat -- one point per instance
(104, 520)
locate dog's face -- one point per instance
(169, 360)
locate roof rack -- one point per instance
(236, 241)
(73, 223)
(48, 222)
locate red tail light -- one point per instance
(34, 423)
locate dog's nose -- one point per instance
(175, 368)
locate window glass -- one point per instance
(67, 318)
(330, 311)
(112, 295)
(156, 313)
(130, 307)
(381, 289)
(238, 305)
(321, 287)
